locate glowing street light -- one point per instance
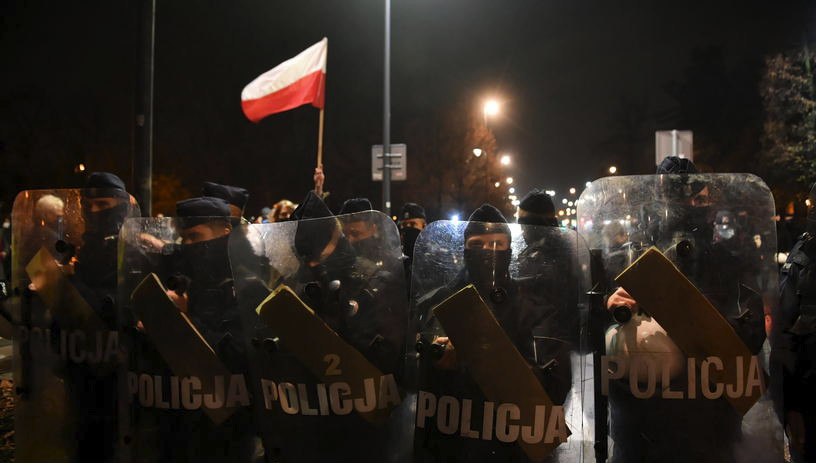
(564, 201)
(572, 190)
(491, 108)
(612, 170)
(505, 160)
(477, 152)
(512, 190)
(497, 184)
(509, 180)
(588, 184)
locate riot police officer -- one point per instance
(523, 311)
(411, 222)
(796, 349)
(196, 271)
(674, 212)
(65, 258)
(105, 206)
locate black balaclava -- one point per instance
(694, 221)
(487, 269)
(811, 212)
(408, 236)
(206, 263)
(106, 222)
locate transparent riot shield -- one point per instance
(187, 389)
(497, 353)
(67, 349)
(685, 370)
(325, 303)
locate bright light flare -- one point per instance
(613, 170)
(491, 107)
(509, 180)
(477, 152)
(505, 160)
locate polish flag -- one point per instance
(296, 81)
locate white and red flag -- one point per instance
(295, 82)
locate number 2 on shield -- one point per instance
(333, 362)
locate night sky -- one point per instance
(584, 85)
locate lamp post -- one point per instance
(386, 185)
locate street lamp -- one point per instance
(612, 170)
(491, 108)
(512, 190)
(477, 152)
(572, 190)
(505, 160)
(497, 184)
(509, 180)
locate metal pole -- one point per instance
(674, 142)
(143, 163)
(386, 193)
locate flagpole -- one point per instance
(320, 141)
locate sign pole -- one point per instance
(386, 187)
